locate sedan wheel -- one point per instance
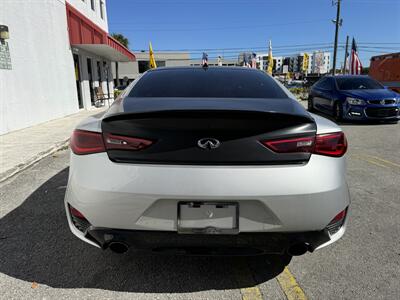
(338, 112)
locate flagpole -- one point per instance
(346, 55)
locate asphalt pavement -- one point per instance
(40, 258)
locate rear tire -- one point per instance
(310, 104)
(338, 112)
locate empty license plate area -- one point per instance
(208, 217)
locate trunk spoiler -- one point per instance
(159, 106)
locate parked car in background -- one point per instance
(294, 84)
(357, 97)
(208, 160)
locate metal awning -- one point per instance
(85, 35)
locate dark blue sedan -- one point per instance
(350, 97)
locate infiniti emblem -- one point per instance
(208, 143)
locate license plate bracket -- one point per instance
(202, 217)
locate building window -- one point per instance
(143, 66)
(102, 9)
(92, 4)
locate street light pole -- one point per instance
(338, 22)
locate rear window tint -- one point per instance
(207, 83)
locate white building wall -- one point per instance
(41, 84)
(85, 7)
(327, 61)
(279, 62)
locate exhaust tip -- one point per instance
(298, 249)
(118, 247)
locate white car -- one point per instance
(207, 161)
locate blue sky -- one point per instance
(223, 24)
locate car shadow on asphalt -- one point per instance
(36, 245)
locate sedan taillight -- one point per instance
(118, 142)
(87, 142)
(331, 144)
(292, 145)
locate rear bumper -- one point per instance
(293, 199)
(172, 242)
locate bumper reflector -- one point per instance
(78, 219)
(337, 222)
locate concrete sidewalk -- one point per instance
(22, 148)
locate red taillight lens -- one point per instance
(331, 144)
(76, 213)
(340, 216)
(78, 219)
(292, 145)
(118, 142)
(86, 142)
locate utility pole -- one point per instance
(338, 22)
(345, 55)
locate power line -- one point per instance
(223, 28)
(238, 48)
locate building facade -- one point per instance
(129, 71)
(58, 52)
(386, 69)
(317, 62)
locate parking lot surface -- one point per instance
(40, 258)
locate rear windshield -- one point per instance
(207, 83)
(361, 83)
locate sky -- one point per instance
(292, 25)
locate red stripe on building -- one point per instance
(81, 30)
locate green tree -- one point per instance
(124, 41)
(121, 38)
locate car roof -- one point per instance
(225, 69)
(347, 76)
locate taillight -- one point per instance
(292, 145)
(331, 144)
(118, 142)
(86, 142)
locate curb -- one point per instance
(23, 166)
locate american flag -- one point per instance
(254, 60)
(355, 62)
(204, 60)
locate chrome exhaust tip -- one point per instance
(118, 247)
(298, 249)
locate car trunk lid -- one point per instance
(176, 128)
